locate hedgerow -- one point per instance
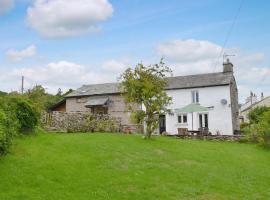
(17, 115)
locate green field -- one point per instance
(113, 166)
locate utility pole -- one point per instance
(22, 89)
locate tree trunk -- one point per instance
(148, 127)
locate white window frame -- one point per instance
(182, 118)
(195, 96)
(203, 119)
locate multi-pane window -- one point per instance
(182, 119)
(195, 96)
(203, 120)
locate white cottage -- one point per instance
(203, 102)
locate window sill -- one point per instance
(182, 124)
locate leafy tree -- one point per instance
(41, 99)
(145, 86)
(67, 92)
(255, 114)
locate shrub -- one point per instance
(260, 132)
(255, 114)
(263, 129)
(7, 131)
(27, 115)
(16, 115)
(95, 123)
(243, 125)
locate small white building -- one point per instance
(208, 101)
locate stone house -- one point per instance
(100, 99)
(199, 101)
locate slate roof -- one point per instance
(96, 89)
(178, 82)
(199, 80)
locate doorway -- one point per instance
(162, 124)
(203, 120)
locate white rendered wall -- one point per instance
(219, 117)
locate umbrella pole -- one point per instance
(192, 120)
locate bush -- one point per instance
(27, 115)
(255, 114)
(23, 111)
(16, 115)
(7, 132)
(95, 123)
(263, 129)
(260, 132)
(243, 125)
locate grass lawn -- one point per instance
(111, 166)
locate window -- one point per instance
(185, 118)
(182, 119)
(195, 96)
(203, 120)
(206, 120)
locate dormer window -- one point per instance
(195, 96)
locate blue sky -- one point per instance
(130, 32)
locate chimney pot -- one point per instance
(262, 97)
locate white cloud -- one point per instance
(188, 50)
(62, 18)
(18, 55)
(116, 66)
(5, 6)
(62, 74)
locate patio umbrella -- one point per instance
(191, 108)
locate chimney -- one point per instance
(227, 66)
(262, 97)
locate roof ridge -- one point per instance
(200, 74)
(100, 84)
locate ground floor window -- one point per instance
(182, 118)
(203, 120)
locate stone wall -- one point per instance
(235, 107)
(213, 137)
(85, 122)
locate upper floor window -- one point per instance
(195, 96)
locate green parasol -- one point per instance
(191, 108)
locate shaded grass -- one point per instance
(108, 166)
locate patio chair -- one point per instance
(182, 131)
